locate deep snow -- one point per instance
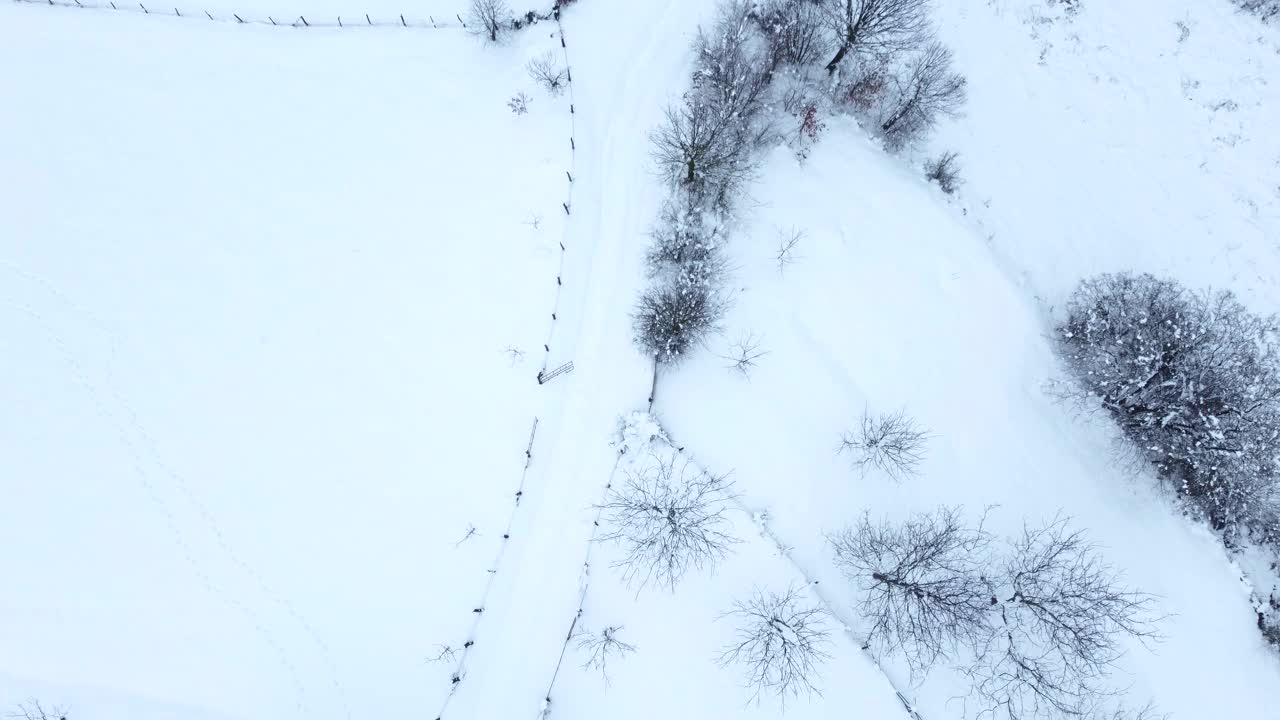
(260, 284)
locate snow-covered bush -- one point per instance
(780, 643)
(708, 142)
(945, 171)
(490, 18)
(670, 517)
(924, 91)
(670, 320)
(1192, 379)
(519, 103)
(1265, 9)
(1036, 628)
(795, 31)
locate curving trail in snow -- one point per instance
(621, 83)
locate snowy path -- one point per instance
(620, 82)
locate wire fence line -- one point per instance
(361, 20)
(459, 673)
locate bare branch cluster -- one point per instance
(547, 72)
(670, 517)
(945, 171)
(780, 643)
(788, 241)
(33, 710)
(744, 353)
(601, 647)
(868, 27)
(891, 442)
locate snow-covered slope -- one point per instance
(272, 302)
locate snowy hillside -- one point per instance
(280, 309)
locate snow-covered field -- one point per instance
(272, 303)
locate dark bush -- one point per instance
(1192, 380)
(944, 171)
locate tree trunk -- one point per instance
(835, 61)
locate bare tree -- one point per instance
(602, 646)
(945, 171)
(670, 321)
(780, 642)
(891, 442)
(926, 90)
(491, 17)
(33, 710)
(547, 72)
(446, 654)
(787, 242)
(669, 517)
(922, 581)
(744, 353)
(874, 26)
(1057, 628)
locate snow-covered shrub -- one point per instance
(1192, 379)
(547, 72)
(670, 320)
(707, 143)
(780, 643)
(519, 103)
(685, 249)
(670, 517)
(490, 18)
(873, 27)
(923, 91)
(945, 171)
(1265, 9)
(795, 31)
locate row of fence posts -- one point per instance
(544, 375)
(348, 21)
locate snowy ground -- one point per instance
(260, 286)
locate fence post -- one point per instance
(206, 12)
(339, 21)
(304, 21)
(566, 172)
(460, 20)
(113, 6)
(366, 19)
(571, 110)
(433, 21)
(569, 74)
(237, 17)
(402, 22)
(175, 12)
(571, 145)
(566, 212)
(144, 8)
(273, 20)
